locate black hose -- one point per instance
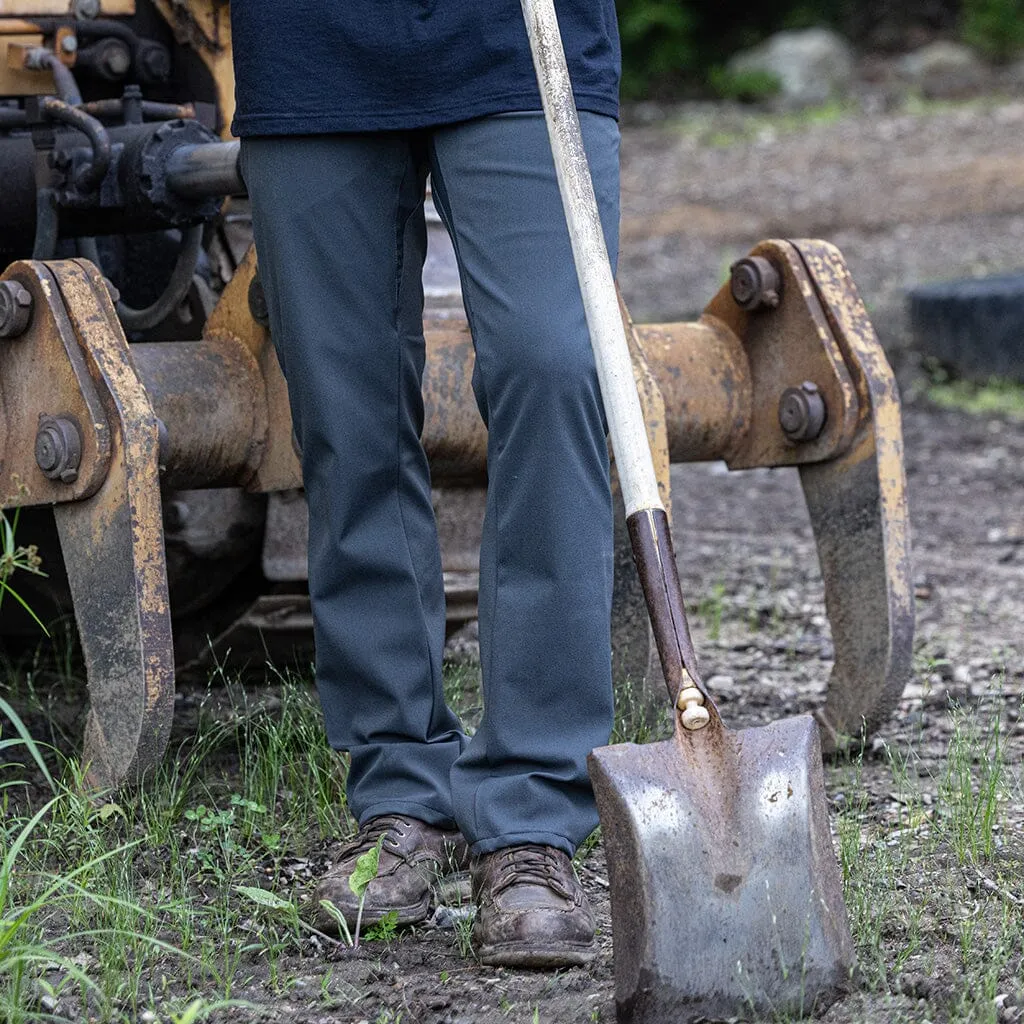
(12, 117)
(177, 286)
(47, 223)
(89, 178)
(67, 87)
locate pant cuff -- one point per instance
(482, 846)
(410, 809)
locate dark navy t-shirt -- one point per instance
(310, 66)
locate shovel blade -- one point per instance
(726, 894)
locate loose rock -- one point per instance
(944, 70)
(812, 65)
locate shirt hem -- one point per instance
(402, 120)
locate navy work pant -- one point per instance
(341, 240)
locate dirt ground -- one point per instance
(908, 197)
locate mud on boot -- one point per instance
(531, 910)
(414, 858)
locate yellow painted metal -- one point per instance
(55, 8)
(15, 79)
(205, 26)
(45, 372)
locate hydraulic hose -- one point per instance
(89, 178)
(177, 287)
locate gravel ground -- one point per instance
(907, 197)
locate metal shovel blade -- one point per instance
(726, 894)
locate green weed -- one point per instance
(997, 397)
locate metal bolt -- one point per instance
(116, 59)
(15, 309)
(802, 412)
(85, 8)
(755, 284)
(69, 44)
(258, 302)
(154, 61)
(59, 448)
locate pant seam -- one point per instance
(446, 211)
(401, 223)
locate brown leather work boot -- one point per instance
(531, 910)
(414, 856)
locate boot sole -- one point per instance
(534, 954)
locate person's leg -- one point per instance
(340, 237)
(546, 557)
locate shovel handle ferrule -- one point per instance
(690, 704)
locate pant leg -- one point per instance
(340, 235)
(546, 556)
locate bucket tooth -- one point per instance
(858, 509)
(112, 543)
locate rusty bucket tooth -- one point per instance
(726, 893)
(858, 509)
(112, 543)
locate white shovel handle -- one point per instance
(600, 302)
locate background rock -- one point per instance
(811, 66)
(944, 70)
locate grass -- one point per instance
(933, 867)
(997, 397)
(185, 901)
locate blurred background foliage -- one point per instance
(673, 48)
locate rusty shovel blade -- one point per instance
(726, 892)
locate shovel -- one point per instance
(726, 894)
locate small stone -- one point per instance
(448, 918)
(721, 684)
(944, 70)
(962, 675)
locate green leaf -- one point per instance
(365, 872)
(385, 929)
(339, 919)
(264, 897)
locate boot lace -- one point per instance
(540, 865)
(392, 827)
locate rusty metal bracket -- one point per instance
(44, 376)
(111, 534)
(858, 507)
(786, 344)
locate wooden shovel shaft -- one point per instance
(614, 366)
(645, 513)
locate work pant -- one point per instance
(341, 240)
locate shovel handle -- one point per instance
(600, 301)
(645, 514)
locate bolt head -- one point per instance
(58, 448)
(47, 449)
(755, 284)
(155, 62)
(69, 44)
(116, 59)
(86, 8)
(802, 412)
(15, 309)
